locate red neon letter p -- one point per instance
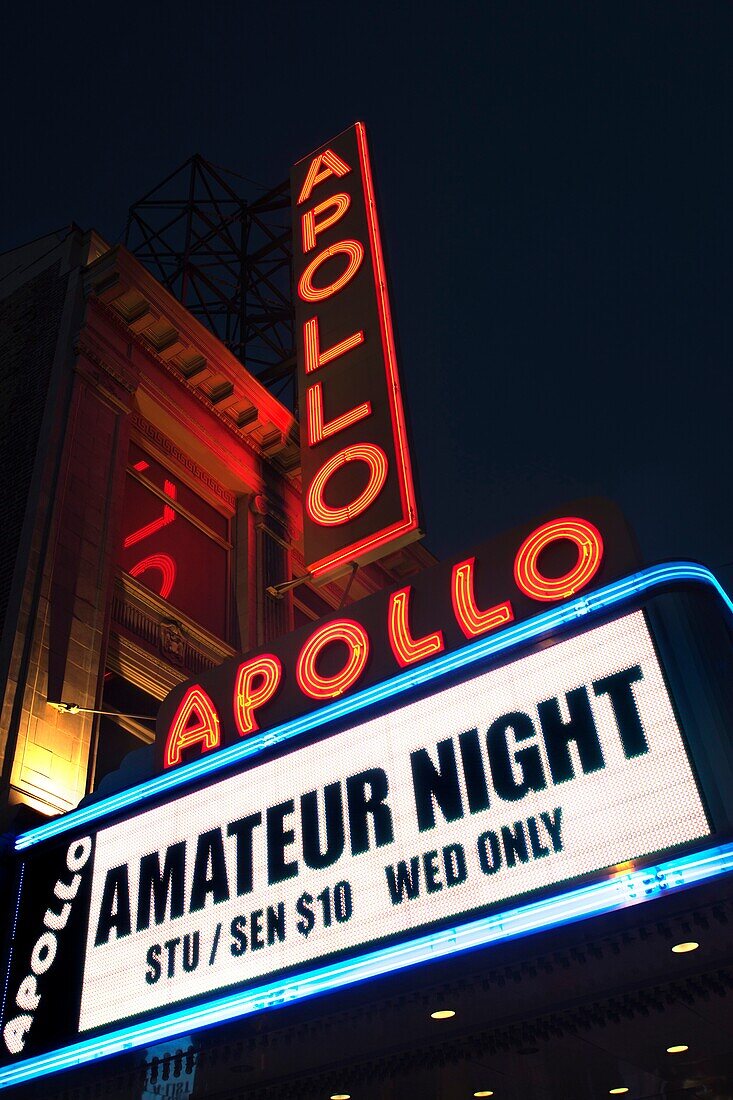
(256, 683)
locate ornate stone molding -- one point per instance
(188, 352)
(178, 641)
(122, 378)
(168, 448)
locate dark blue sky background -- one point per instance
(556, 199)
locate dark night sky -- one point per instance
(556, 199)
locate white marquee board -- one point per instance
(637, 797)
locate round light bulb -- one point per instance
(442, 1014)
(678, 1049)
(341, 1096)
(617, 1092)
(484, 1092)
(683, 948)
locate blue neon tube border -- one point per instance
(618, 891)
(645, 581)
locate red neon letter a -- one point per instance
(324, 165)
(205, 730)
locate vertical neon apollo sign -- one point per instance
(358, 492)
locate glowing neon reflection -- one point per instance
(149, 529)
(165, 565)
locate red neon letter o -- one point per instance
(310, 681)
(587, 539)
(310, 293)
(322, 513)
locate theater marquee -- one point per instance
(394, 838)
(551, 767)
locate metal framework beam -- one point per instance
(228, 259)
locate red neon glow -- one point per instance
(472, 621)
(310, 681)
(353, 250)
(408, 650)
(408, 522)
(141, 465)
(333, 165)
(318, 429)
(167, 567)
(150, 528)
(256, 683)
(314, 357)
(588, 541)
(205, 730)
(311, 228)
(322, 513)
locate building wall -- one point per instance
(41, 291)
(29, 325)
(121, 394)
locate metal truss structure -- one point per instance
(228, 259)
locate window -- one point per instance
(175, 543)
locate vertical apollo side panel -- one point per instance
(358, 492)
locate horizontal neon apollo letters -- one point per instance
(473, 622)
(582, 609)
(589, 544)
(310, 681)
(257, 681)
(196, 721)
(203, 730)
(408, 650)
